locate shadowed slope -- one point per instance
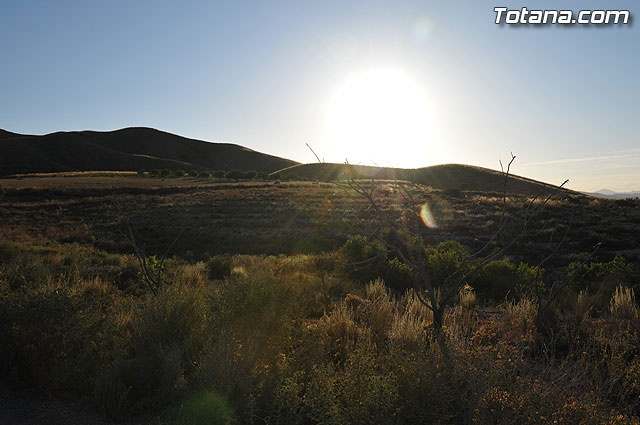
(128, 149)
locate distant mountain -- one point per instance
(606, 193)
(448, 176)
(128, 149)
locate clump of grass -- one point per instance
(582, 307)
(623, 304)
(340, 324)
(377, 310)
(410, 321)
(520, 311)
(191, 274)
(460, 323)
(520, 316)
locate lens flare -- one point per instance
(427, 217)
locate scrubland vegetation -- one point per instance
(302, 339)
(313, 331)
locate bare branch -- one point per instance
(312, 151)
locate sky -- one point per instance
(389, 83)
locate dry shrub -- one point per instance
(521, 312)
(340, 326)
(238, 271)
(410, 322)
(60, 336)
(296, 264)
(177, 317)
(376, 312)
(535, 401)
(623, 304)
(582, 307)
(459, 324)
(191, 274)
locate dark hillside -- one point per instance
(4, 134)
(128, 149)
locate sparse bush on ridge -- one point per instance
(235, 175)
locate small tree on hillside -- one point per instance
(441, 274)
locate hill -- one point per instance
(127, 149)
(447, 176)
(606, 193)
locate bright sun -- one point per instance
(380, 116)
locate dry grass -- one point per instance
(262, 217)
(623, 304)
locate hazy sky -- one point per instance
(398, 83)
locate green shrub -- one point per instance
(595, 274)
(219, 267)
(218, 174)
(203, 408)
(453, 192)
(169, 334)
(601, 279)
(176, 317)
(442, 262)
(59, 337)
(204, 174)
(179, 173)
(529, 283)
(366, 261)
(165, 172)
(495, 280)
(193, 173)
(235, 174)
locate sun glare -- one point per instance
(380, 116)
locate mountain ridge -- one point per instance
(137, 148)
(127, 149)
